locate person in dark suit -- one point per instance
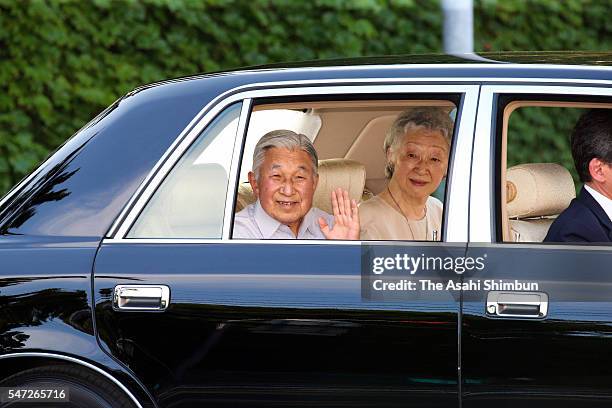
(588, 217)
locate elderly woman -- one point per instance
(417, 147)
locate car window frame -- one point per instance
(458, 173)
(486, 171)
(211, 134)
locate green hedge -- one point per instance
(62, 62)
(537, 134)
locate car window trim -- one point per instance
(469, 93)
(482, 193)
(112, 232)
(457, 177)
(234, 172)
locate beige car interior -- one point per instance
(535, 193)
(355, 130)
(349, 144)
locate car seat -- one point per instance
(536, 193)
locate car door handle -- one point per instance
(517, 304)
(141, 297)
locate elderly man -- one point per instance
(588, 217)
(284, 179)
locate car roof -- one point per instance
(603, 58)
(483, 67)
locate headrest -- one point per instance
(368, 149)
(333, 173)
(538, 189)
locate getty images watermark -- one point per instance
(392, 272)
(458, 265)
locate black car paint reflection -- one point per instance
(230, 337)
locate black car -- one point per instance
(121, 283)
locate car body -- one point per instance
(283, 323)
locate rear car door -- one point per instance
(537, 345)
(223, 322)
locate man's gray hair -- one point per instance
(431, 118)
(284, 139)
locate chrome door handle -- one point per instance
(141, 297)
(517, 304)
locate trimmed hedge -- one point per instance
(537, 134)
(64, 61)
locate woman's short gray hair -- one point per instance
(284, 139)
(431, 118)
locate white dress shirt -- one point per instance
(253, 222)
(601, 199)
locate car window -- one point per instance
(190, 201)
(348, 138)
(538, 176)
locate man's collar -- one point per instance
(309, 223)
(266, 224)
(602, 200)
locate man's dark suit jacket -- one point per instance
(583, 221)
